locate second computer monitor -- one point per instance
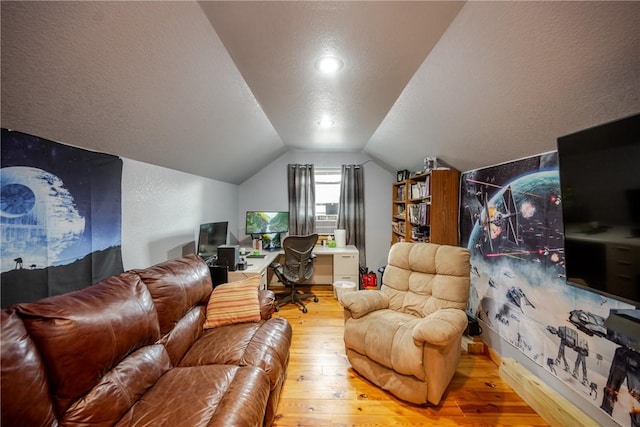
(211, 236)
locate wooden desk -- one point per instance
(333, 264)
(330, 265)
(255, 266)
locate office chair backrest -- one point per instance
(298, 265)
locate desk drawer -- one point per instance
(345, 264)
(346, 278)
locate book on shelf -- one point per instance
(420, 190)
(413, 213)
(400, 192)
(420, 234)
(419, 213)
(398, 227)
(416, 192)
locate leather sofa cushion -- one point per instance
(84, 334)
(267, 299)
(120, 387)
(184, 334)
(264, 344)
(213, 396)
(176, 286)
(23, 378)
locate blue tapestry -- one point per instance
(60, 217)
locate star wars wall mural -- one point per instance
(511, 221)
(60, 217)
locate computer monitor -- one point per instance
(267, 226)
(261, 222)
(271, 241)
(211, 235)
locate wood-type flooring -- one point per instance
(323, 390)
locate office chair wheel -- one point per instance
(304, 309)
(315, 299)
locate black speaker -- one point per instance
(229, 255)
(219, 274)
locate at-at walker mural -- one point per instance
(511, 221)
(569, 338)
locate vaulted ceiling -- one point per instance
(220, 89)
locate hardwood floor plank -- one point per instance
(322, 389)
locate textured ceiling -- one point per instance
(220, 89)
(275, 46)
(508, 78)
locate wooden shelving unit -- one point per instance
(399, 212)
(425, 208)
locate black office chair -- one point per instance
(297, 268)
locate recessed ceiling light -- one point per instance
(325, 123)
(329, 64)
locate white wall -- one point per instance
(267, 190)
(162, 210)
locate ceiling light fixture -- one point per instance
(325, 123)
(329, 64)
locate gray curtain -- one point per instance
(351, 210)
(302, 199)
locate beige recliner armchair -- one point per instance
(406, 337)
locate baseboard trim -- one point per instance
(549, 404)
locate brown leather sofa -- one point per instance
(131, 351)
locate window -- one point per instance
(327, 199)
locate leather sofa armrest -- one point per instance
(267, 299)
(359, 303)
(441, 327)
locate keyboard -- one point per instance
(255, 256)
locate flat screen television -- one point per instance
(600, 186)
(210, 236)
(263, 222)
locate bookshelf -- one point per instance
(399, 212)
(425, 208)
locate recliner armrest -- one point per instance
(441, 327)
(360, 303)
